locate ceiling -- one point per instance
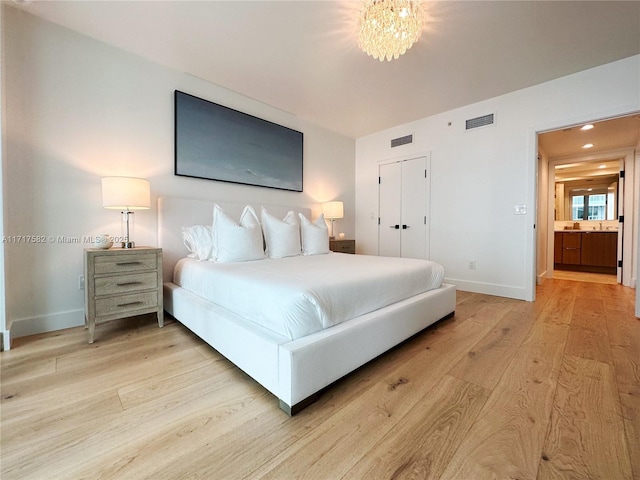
(600, 163)
(605, 136)
(302, 56)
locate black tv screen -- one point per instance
(218, 143)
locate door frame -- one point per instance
(534, 194)
(625, 235)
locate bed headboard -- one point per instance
(175, 213)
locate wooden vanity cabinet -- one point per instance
(599, 249)
(557, 247)
(586, 251)
(571, 246)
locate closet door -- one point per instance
(402, 209)
(390, 210)
(413, 205)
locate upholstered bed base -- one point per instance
(296, 370)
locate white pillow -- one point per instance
(315, 236)
(199, 241)
(281, 236)
(233, 242)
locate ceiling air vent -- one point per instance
(479, 121)
(396, 142)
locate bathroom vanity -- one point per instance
(586, 250)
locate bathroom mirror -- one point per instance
(587, 191)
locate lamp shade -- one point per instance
(126, 193)
(333, 210)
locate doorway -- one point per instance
(587, 234)
(588, 188)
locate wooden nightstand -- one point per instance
(342, 246)
(122, 282)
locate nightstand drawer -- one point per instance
(126, 283)
(126, 303)
(125, 263)
(342, 246)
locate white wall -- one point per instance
(479, 176)
(4, 330)
(78, 110)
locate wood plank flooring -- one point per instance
(505, 389)
(611, 279)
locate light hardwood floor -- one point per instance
(505, 389)
(585, 277)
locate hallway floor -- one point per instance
(585, 277)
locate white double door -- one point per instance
(403, 205)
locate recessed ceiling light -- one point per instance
(588, 126)
(602, 166)
(587, 145)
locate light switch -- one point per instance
(519, 209)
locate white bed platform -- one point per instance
(295, 371)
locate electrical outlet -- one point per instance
(520, 209)
(472, 264)
(81, 282)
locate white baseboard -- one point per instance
(5, 344)
(47, 323)
(519, 293)
(540, 278)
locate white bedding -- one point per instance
(297, 296)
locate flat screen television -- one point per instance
(218, 143)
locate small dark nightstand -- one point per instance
(342, 246)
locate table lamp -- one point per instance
(126, 194)
(333, 211)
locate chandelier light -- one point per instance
(388, 28)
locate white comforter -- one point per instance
(296, 296)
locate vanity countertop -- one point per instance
(589, 231)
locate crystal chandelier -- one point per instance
(388, 28)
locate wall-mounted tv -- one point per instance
(218, 143)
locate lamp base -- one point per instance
(127, 229)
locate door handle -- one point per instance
(397, 227)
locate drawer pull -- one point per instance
(128, 263)
(126, 284)
(130, 304)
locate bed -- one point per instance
(294, 363)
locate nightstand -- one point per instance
(122, 282)
(342, 246)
